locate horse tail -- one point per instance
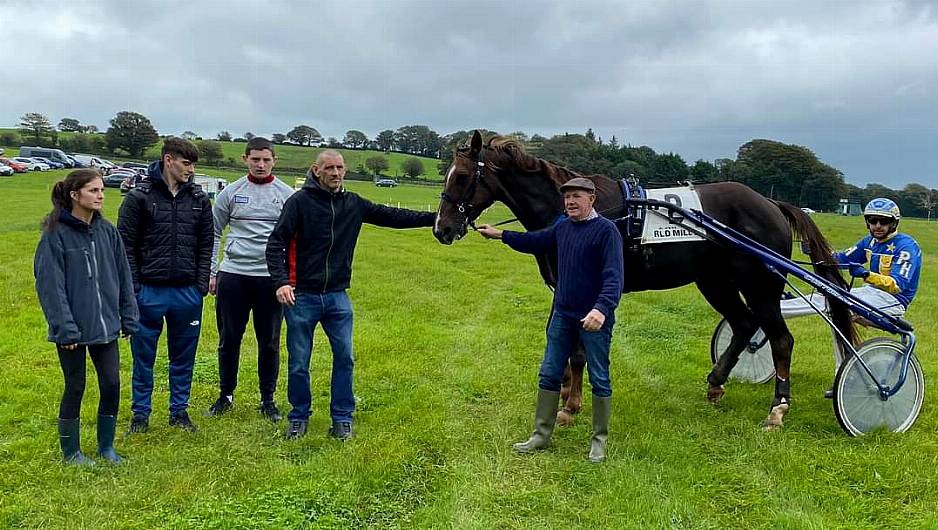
(825, 264)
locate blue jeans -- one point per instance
(562, 336)
(334, 311)
(182, 309)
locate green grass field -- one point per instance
(448, 342)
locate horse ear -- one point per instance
(475, 145)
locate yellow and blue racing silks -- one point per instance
(894, 264)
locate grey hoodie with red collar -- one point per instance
(313, 243)
(83, 282)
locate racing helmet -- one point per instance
(882, 207)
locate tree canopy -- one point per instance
(412, 167)
(377, 164)
(304, 135)
(131, 132)
(36, 126)
(355, 139)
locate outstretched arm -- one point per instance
(380, 215)
(537, 242)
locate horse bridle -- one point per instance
(463, 206)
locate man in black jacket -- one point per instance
(167, 228)
(309, 257)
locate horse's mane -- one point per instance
(510, 150)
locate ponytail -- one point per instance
(62, 194)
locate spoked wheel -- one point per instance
(857, 402)
(755, 362)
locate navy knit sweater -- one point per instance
(589, 258)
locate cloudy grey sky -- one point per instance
(857, 82)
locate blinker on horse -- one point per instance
(737, 285)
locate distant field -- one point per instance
(299, 158)
(448, 342)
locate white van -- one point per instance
(56, 155)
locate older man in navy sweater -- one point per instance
(589, 285)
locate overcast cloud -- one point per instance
(854, 81)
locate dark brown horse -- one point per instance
(735, 283)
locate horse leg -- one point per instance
(726, 300)
(572, 390)
(769, 315)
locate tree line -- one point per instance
(786, 172)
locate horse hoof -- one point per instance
(715, 394)
(775, 419)
(564, 418)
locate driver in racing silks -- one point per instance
(889, 263)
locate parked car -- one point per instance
(134, 165)
(18, 167)
(90, 161)
(115, 180)
(31, 164)
(51, 163)
(75, 163)
(107, 166)
(386, 183)
(6, 171)
(808, 211)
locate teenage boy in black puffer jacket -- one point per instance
(166, 224)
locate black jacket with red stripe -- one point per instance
(313, 243)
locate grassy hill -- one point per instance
(297, 159)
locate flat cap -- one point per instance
(578, 183)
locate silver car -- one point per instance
(31, 164)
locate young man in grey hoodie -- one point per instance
(249, 207)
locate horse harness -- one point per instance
(463, 206)
(632, 221)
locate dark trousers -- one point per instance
(181, 307)
(106, 359)
(238, 297)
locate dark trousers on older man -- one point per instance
(239, 297)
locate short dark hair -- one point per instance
(180, 147)
(258, 143)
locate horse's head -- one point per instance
(468, 190)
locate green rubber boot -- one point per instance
(545, 415)
(602, 407)
(106, 427)
(70, 442)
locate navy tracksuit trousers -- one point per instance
(181, 307)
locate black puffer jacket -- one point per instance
(168, 239)
(313, 243)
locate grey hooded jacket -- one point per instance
(83, 282)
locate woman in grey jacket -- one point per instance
(86, 292)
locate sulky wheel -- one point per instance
(755, 362)
(857, 402)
